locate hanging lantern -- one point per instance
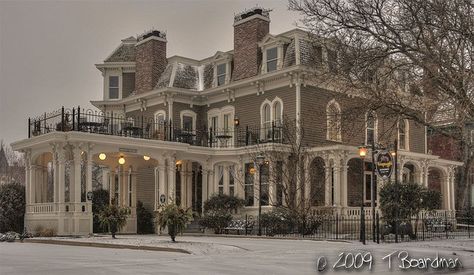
(102, 156)
(146, 157)
(121, 160)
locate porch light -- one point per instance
(362, 152)
(121, 160)
(252, 170)
(178, 162)
(236, 121)
(102, 156)
(393, 153)
(146, 157)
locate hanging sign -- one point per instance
(384, 164)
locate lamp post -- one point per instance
(362, 155)
(395, 166)
(260, 160)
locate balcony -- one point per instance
(96, 122)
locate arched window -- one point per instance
(333, 112)
(266, 116)
(277, 112)
(403, 134)
(370, 127)
(160, 117)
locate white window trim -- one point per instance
(407, 135)
(158, 113)
(272, 106)
(376, 125)
(339, 135)
(220, 113)
(188, 113)
(106, 84)
(227, 70)
(269, 42)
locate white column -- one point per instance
(182, 183)
(89, 179)
(61, 189)
(337, 183)
(307, 181)
(171, 180)
(161, 181)
(55, 177)
(344, 183)
(32, 184)
(77, 180)
(327, 185)
(27, 181)
(205, 185)
(189, 185)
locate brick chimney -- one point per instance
(250, 27)
(150, 60)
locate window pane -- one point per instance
(113, 81)
(271, 54)
(221, 69)
(187, 123)
(277, 112)
(221, 80)
(271, 66)
(113, 93)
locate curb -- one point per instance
(265, 237)
(107, 245)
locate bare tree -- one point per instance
(12, 165)
(411, 58)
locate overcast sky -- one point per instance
(48, 49)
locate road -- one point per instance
(252, 256)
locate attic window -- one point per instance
(221, 74)
(272, 58)
(113, 87)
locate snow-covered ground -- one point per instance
(221, 255)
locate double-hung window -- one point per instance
(221, 74)
(113, 87)
(272, 59)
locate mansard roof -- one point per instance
(125, 52)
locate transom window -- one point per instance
(221, 74)
(272, 58)
(113, 87)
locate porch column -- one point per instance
(211, 180)
(451, 188)
(307, 181)
(27, 178)
(189, 185)
(447, 189)
(55, 176)
(424, 174)
(343, 186)
(172, 179)
(61, 189)
(32, 184)
(327, 185)
(161, 182)
(272, 184)
(205, 183)
(89, 180)
(77, 179)
(182, 183)
(337, 183)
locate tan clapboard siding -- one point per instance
(149, 112)
(146, 187)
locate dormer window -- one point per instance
(221, 74)
(272, 59)
(113, 87)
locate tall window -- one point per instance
(272, 58)
(113, 87)
(221, 74)
(370, 126)
(231, 180)
(403, 134)
(116, 188)
(160, 117)
(220, 177)
(279, 183)
(333, 112)
(277, 113)
(249, 185)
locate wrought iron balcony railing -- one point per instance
(109, 123)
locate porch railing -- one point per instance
(42, 208)
(116, 124)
